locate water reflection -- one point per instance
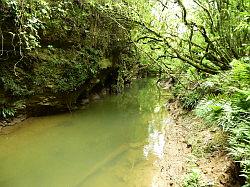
(114, 142)
(156, 133)
(155, 145)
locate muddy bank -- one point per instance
(183, 166)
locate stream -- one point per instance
(112, 142)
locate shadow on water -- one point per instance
(114, 142)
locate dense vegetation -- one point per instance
(51, 50)
(204, 46)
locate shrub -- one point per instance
(231, 111)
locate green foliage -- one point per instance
(190, 99)
(7, 112)
(207, 35)
(54, 47)
(29, 17)
(192, 179)
(15, 86)
(230, 109)
(63, 70)
(58, 46)
(214, 110)
(188, 87)
(222, 100)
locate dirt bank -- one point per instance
(183, 165)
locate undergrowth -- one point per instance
(223, 99)
(192, 179)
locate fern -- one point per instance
(7, 112)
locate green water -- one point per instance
(114, 142)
